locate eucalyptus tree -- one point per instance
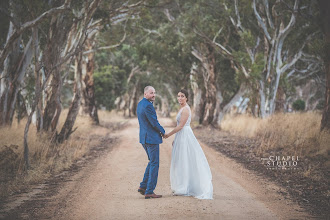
(81, 31)
(162, 56)
(324, 19)
(109, 32)
(117, 78)
(281, 56)
(211, 78)
(13, 60)
(65, 26)
(266, 52)
(82, 36)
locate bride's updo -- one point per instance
(185, 92)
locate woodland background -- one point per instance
(266, 61)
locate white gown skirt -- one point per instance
(190, 172)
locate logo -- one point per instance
(281, 162)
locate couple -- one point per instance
(190, 173)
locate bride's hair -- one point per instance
(185, 92)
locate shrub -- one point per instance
(299, 105)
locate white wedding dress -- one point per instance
(190, 173)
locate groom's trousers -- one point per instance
(151, 174)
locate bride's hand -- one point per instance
(166, 136)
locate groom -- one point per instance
(151, 133)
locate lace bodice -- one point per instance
(178, 117)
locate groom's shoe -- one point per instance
(142, 191)
(152, 196)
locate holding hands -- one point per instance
(166, 136)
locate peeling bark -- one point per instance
(66, 130)
(273, 52)
(198, 94)
(60, 48)
(14, 73)
(38, 82)
(57, 34)
(208, 62)
(88, 89)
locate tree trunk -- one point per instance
(133, 100)
(198, 104)
(280, 100)
(38, 82)
(58, 31)
(75, 105)
(53, 107)
(20, 108)
(277, 62)
(210, 89)
(28, 123)
(88, 89)
(226, 109)
(217, 108)
(14, 71)
(262, 103)
(165, 109)
(325, 21)
(197, 101)
(207, 58)
(8, 76)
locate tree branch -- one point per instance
(152, 32)
(168, 15)
(197, 54)
(238, 17)
(28, 25)
(106, 47)
(270, 22)
(133, 71)
(297, 56)
(288, 28)
(217, 34)
(260, 22)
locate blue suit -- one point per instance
(150, 138)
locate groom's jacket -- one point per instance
(150, 129)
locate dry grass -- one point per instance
(112, 117)
(242, 125)
(293, 134)
(45, 157)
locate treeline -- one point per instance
(88, 54)
(49, 44)
(225, 52)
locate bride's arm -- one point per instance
(183, 120)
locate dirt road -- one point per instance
(107, 189)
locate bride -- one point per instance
(190, 173)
